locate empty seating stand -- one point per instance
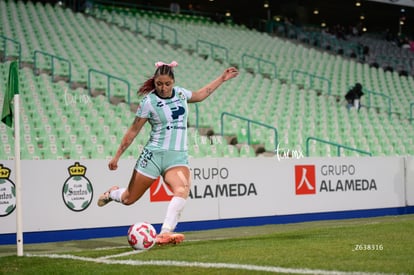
(61, 121)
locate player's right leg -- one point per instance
(127, 196)
(178, 178)
(169, 238)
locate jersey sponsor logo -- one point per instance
(163, 103)
(177, 112)
(175, 127)
(172, 101)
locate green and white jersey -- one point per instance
(168, 119)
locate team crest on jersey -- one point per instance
(143, 163)
(181, 95)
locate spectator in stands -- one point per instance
(353, 97)
(164, 107)
(412, 46)
(405, 44)
(388, 35)
(175, 8)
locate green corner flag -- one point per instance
(11, 90)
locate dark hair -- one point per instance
(149, 84)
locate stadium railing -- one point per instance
(337, 145)
(386, 97)
(248, 121)
(162, 29)
(259, 62)
(53, 58)
(212, 48)
(108, 77)
(17, 44)
(312, 78)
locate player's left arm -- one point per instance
(207, 90)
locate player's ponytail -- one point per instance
(147, 86)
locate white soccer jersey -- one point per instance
(168, 119)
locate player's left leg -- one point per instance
(138, 184)
(146, 171)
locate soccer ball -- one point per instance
(141, 236)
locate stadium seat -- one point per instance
(196, 151)
(230, 151)
(247, 151)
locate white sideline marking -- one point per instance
(122, 254)
(200, 264)
(110, 247)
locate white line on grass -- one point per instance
(122, 254)
(201, 265)
(110, 247)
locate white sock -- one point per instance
(116, 194)
(175, 207)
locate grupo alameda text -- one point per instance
(343, 178)
(222, 188)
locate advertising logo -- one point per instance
(77, 190)
(305, 179)
(159, 191)
(7, 192)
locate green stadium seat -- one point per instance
(247, 151)
(230, 151)
(196, 151)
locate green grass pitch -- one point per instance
(358, 246)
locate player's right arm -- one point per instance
(128, 138)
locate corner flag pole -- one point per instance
(19, 215)
(14, 82)
(7, 116)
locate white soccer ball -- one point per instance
(141, 236)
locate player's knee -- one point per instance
(182, 191)
(127, 200)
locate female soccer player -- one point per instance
(164, 106)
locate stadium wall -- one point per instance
(59, 197)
